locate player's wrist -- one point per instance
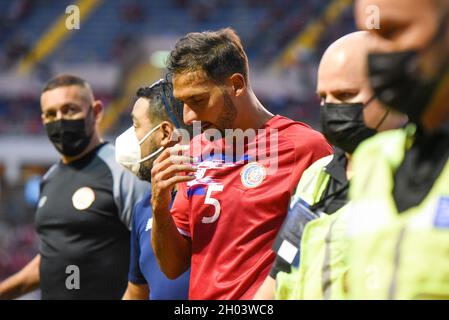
(161, 210)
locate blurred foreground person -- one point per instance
(400, 192)
(86, 204)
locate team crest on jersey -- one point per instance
(253, 174)
(83, 198)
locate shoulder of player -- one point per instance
(299, 135)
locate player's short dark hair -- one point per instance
(163, 104)
(64, 80)
(218, 53)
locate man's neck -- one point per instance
(254, 115)
(94, 143)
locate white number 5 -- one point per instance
(214, 202)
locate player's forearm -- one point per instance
(25, 281)
(172, 250)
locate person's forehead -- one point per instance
(140, 109)
(340, 71)
(188, 84)
(60, 96)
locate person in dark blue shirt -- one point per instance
(157, 124)
(144, 268)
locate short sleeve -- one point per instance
(308, 151)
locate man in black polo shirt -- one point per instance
(85, 208)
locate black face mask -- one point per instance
(70, 137)
(398, 83)
(343, 125)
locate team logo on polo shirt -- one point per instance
(83, 198)
(253, 174)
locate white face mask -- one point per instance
(127, 149)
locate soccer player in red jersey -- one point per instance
(229, 204)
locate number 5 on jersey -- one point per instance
(214, 202)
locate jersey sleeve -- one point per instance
(135, 274)
(180, 211)
(308, 150)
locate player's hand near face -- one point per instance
(170, 168)
(172, 250)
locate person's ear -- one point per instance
(97, 110)
(167, 129)
(238, 84)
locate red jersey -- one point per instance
(233, 209)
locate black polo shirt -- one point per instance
(335, 196)
(83, 221)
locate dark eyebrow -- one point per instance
(65, 105)
(71, 104)
(198, 95)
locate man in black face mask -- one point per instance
(86, 204)
(400, 235)
(349, 115)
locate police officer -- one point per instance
(157, 122)
(349, 115)
(85, 208)
(400, 230)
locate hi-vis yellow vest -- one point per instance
(322, 264)
(392, 255)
